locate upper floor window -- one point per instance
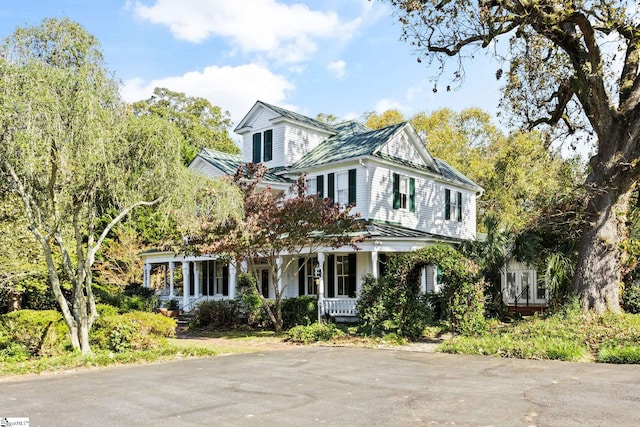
(258, 153)
(268, 146)
(453, 205)
(341, 187)
(404, 192)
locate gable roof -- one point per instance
(454, 174)
(348, 144)
(285, 114)
(229, 163)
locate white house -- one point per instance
(408, 199)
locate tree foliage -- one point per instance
(278, 227)
(572, 65)
(201, 124)
(74, 156)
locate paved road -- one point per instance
(332, 386)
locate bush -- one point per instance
(222, 314)
(302, 310)
(132, 331)
(385, 308)
(40, 333)
(631, 297)
(248, 298)
(314, 333)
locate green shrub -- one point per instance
(302, 310)
(624, 354)
(40, 332)
(216, 314)
(106, 310)
(248, 298)
(131, 331)
(14, 352)
(314, 333)
(631, 297)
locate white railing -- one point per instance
(339, 306)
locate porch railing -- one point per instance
(339, 307)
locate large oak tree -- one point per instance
(573, 65)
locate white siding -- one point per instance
(297, 141)
(402, 148)
(429, 215)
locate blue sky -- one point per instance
(340, 57)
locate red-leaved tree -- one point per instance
(278, 228)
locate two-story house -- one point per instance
(407, 198)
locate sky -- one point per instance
(339, 57)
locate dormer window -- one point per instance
(258, 154)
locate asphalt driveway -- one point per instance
(332, 386)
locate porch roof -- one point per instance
(377, 229)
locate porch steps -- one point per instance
(182, 322)
(526, 310)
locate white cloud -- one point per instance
(338, 68)
(383, 105)
(235, 89)
(287, 33)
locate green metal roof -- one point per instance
(229, 163)
(377, 229)
(292, 115)
(453, 174)
(350, 143)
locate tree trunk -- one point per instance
(599, 270)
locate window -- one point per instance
(342, 188)
(258, 155)
(310, 280)
(511, 285)
(404, 192)
(219, 284)
(342, 275)
(453, 205)
(312, 186)
(257, 147)
(541, 288)
(268, 145)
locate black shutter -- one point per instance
(320, 185)
(447, 204)
(352, 275)
(352, 187)
(301, 277)
(225, 280)
(396, 191)
(459, 213)
(192, 281)
(256, 147)
(330, 187)
(331, 276)
(268, 145)
(412, 194)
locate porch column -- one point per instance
(374, 264)
(146, 279)
(164, 279)
(185, 284)
(280, 273)
(232, 280)
(196, 279)
(423, 280)
(171, 282)
(321, 286)
(244, 266)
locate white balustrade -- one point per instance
(339, 306)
